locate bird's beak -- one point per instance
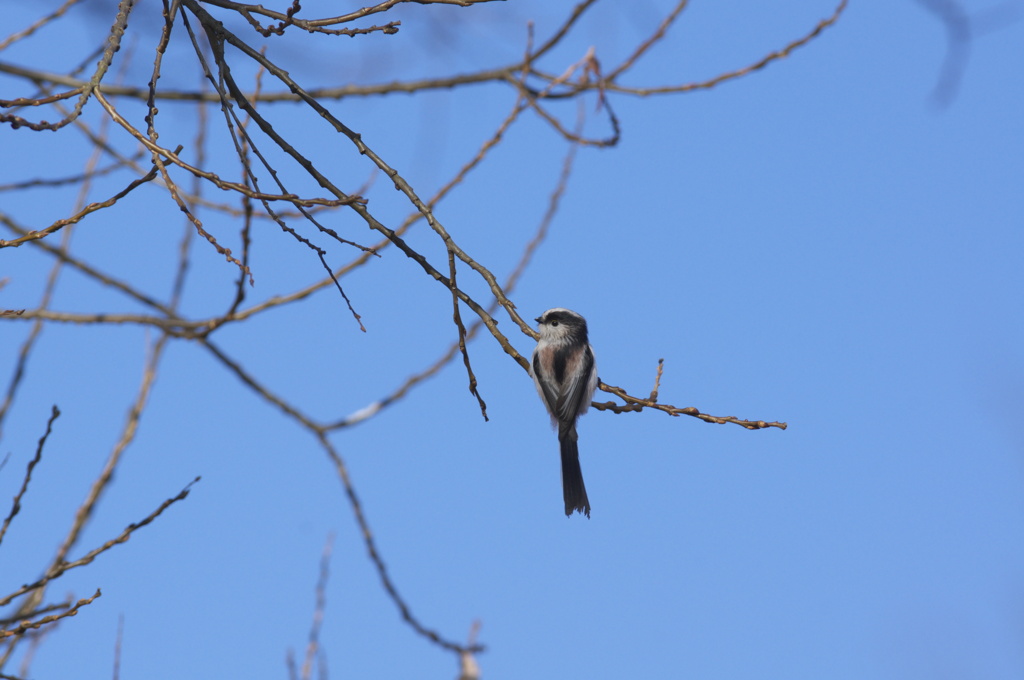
(538, 319)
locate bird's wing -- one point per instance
(575, 398)
(544, 387)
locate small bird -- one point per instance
(565, 374)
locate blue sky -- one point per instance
(818, 243)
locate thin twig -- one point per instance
(457, 317)
(313, 647)
(636, 404)
(378, 562)
(16, 506)
(59, 567)
(26, 626)
(85, 510)
(554, 201)
(740, 72)
(77, 217)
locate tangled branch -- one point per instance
(224, 50)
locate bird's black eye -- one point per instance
(554, 323)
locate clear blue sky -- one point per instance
(818, 243)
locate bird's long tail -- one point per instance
(573, 491)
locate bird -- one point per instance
(565, 374)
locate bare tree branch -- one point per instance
(242, 75)
(16, 506)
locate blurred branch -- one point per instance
(469, 669)
(85, 510)
(37, 611)
(313, 647)
(51, 280)
(962, 28)
(40, 23)
(322, 93)
(117, 647)
(60, 181)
